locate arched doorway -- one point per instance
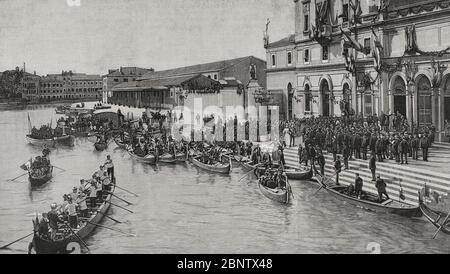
(308, 99)
(290, 97)
(399, 96)
(424, 104)
(325, 91)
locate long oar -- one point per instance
(117, 221)
(59, 168)
(129, 203)
(113, 229)
(127, 191)
(6, 246)
(322, 185)
(18, 177)
(78, 237)
(120, 207)
(441, 226)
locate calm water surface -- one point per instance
(185, 210)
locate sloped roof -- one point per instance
(195, 69)
(129, 71)
(287, 41)
(158, 84)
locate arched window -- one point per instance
(325, 90)
(424, 101)
(307, 99)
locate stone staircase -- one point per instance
(412, 177)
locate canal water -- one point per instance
(181, 209)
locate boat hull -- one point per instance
(300, 175)
(36, 181)
(66, 245)
(278, 195)
(100, 146)
(435, 217)
(217, 168)
(67, 140)
(149, 159)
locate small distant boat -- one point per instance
(281, 195)
(149, 159)
(301, 174)
(40, 179)
(61, 109)
(370, 201)
(98, 107)
(217, 167)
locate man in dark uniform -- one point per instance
(372, 143)
(358, 185)
(345, 155)
(364, 145)
(372, 166)
(424, 144)
(381, 188)
(357, 145)
(403, 149)
(414, 147)
(379, 148)
(334, 148)
(321, 162)
(395, 146)
(337, 169)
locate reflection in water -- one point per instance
(181, 209)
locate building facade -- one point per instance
(119, 76)
(65, 86)
(217, 84)
(365, 57)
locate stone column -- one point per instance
(320, 103)
(434, 94)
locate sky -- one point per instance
(97, 35)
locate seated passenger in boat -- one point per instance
(43, 228)
(53, 220)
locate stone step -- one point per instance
(404, 170)
(440, 145)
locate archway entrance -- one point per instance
(424, 105)
(400, 96)
(290, 97)
(325, 90)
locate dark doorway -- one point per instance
(290, 97)
(447, 108)
(400, 104)
(326, 105)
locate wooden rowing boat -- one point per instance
(437, 218)
(369, 201)
(149, 159)
(65, 243)
(301, 174)
(66, 140)
(281, 195)
(217, 167)
(38, 180)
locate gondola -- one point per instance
(216, 168)
(39, 180)
(369, 201)
(149, 159)
(301, 174)
(66, 140)
(65, 239)
(281, 195)
(437, 218)
(100, 146)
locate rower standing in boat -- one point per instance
(53, 220)
(43, 228)
(358, 185)
(74, 194)
(109, 167)
(321, 162)
(381, 188)
(71, 210)
(337, 168)
(81, 201)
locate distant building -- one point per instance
(30, 86)
(68, 86)
(222, 83)
(118, 76)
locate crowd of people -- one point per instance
(78, 206)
